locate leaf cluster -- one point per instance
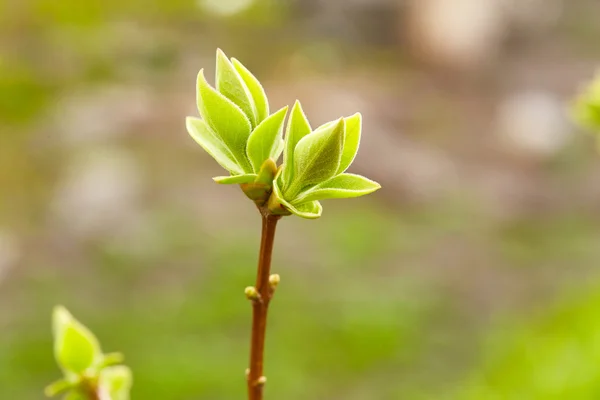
(237, 129)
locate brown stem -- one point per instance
(260, 307)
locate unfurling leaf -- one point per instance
(75, 347)
(256, 90)
(213, 145)
(116, 381)
(226, 119)
(317, 157)
(230, 84)
(265, 139)
(340, 186)
(297, 128)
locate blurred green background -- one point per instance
(473, 273)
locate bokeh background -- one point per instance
(472, 275)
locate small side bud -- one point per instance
(252, 293)
(261, 381)
(274, 280)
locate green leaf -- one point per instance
(256, 90)
(267, 172)
(340, 186)
(226, 119)
(351, 141)
(310, 210)
(75, 395)
(236, 179)
(58, 387)
(75, 347)
(229, 83)
(316, 157)
(265, 139)
(205, 137)
(277, 150)
(111, 359)
(278, 205)
(297, 128)
(117, 381)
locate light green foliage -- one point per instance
(226, 119)
(76, 348)
(231, 85)
(78, 353)
(238, 132)
(586, 109)
(340, 186)
(314, 165)
(317, 157)
(265, 140)
(298, 127)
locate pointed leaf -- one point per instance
(351, 141)
(316, 158)
(265, 138)
(205, 137)
(338, 187)
(75, 395)
(226, 119)
(116, 381)
(259, 96)
(75, 347)
(297, 128)
(229, 83)
(58, 387)
(235, 179)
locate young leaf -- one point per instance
(265, 138)
(75, 347)
(267, 172)
(226, 119)
(235, 179)
(279, 206)
(277, 150)
(231, 85)
(297, 128)
(205, 137)
(256, 90)
(317, 157)
(116, 381)
(351, 141)
(58, 387)
(340, 186)
(75, 395)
